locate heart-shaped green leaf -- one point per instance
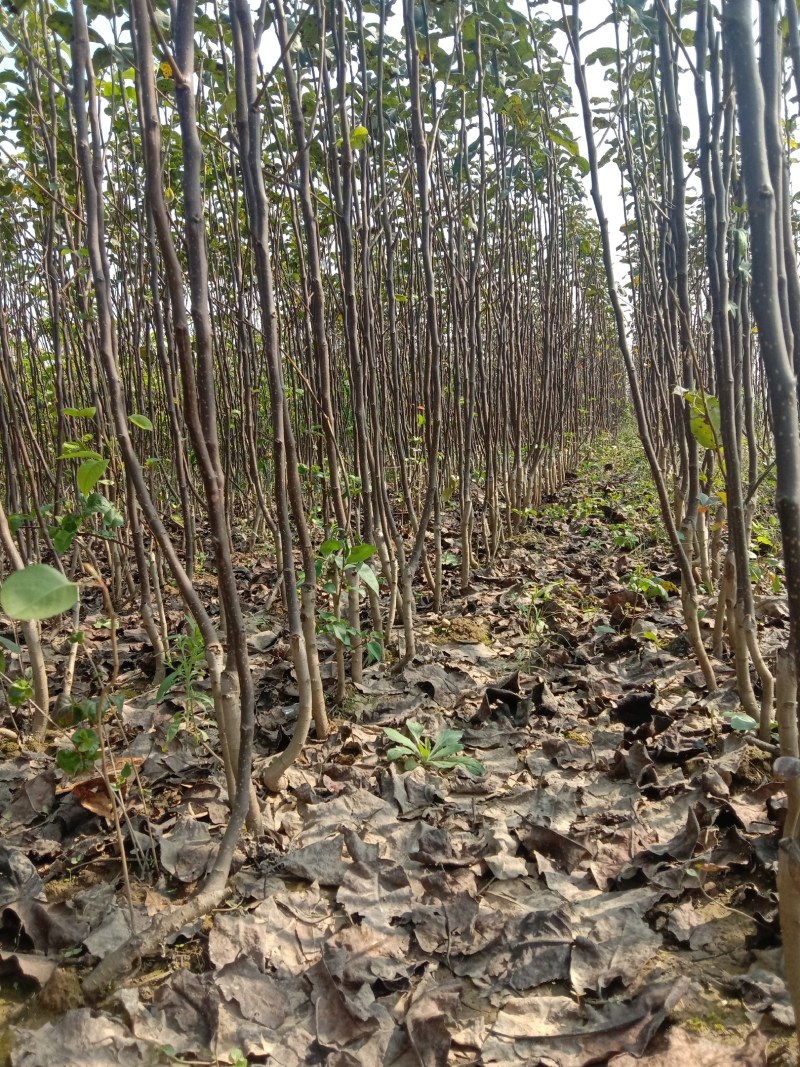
(141, 421)
(743, 722)
(81, 413)
(368, 577)
(359, 554)
(89, 474)
(37, 592)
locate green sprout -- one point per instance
(419, 750)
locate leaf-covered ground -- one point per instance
(603, 894)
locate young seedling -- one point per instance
(649, 586)
(342, 567)
(530, 604)
(186, 668)
(419, 750)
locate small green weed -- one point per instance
(649, 586)
(530, 604)
(187, 666)
(625, 538)
(86, 739)
(335, 561)
(419, 750)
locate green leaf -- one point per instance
(81, 413)
(327, 548)
(359, 554)
(19, 691)
(416, 730)
(229, 105)
(78, 450)
(141, 421)
(166, 685)
(397, 753)
(89, 474)
(369, 577)
(704, 418)
(469, 763)
(606, 56)
(448, 742)
(37, 592)
(60, 22)
(97, 504)
(565, 142)
(401, 739)
(174, 727)
(65, 533)
(701, 428)
(583, 165)
(359, 137)
(86, 741)
(743, 722)
(70, 761)
(446, 746)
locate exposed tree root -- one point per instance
(150, 941)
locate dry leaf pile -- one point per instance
(603, 894)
